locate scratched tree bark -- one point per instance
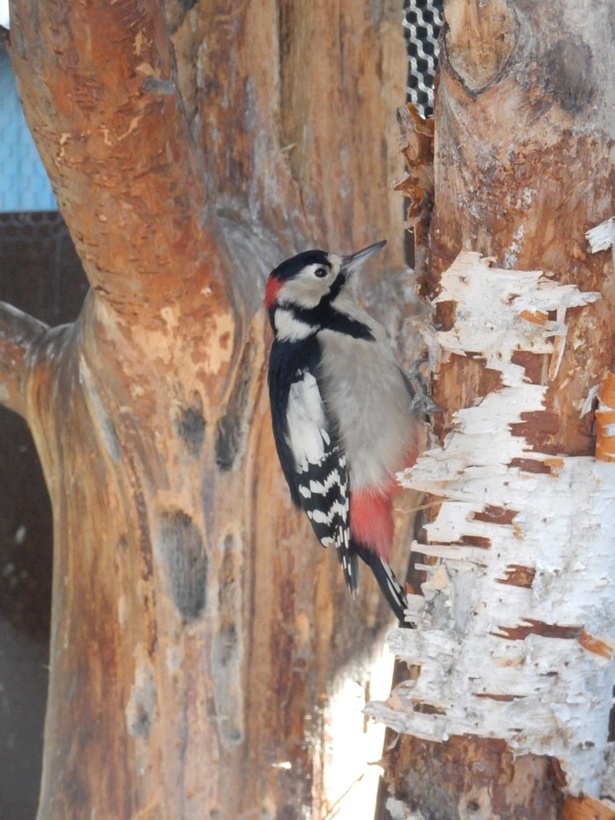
(197, 630)
(523, 168)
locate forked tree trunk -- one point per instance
(197, 629)
(512, 662)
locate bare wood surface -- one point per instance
(473, 777)
(197, 630)
(585, 808)
(524, 166)
(524, 169)
(112, 132)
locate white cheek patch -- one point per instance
(308, 438)
(306, 289)
(289, 328)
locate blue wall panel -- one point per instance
(24, 185)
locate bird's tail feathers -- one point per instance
(349, 564)
(388, 583)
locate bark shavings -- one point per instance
(605, 420)
(417, 146)
(492, 622)
(602, 238)
(499, 300)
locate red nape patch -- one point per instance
(371, 521)
(271, 291)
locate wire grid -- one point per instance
(422, 23)
(41, 273)
(25, 226)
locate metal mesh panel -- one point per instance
(422, 23)
(40, 271)
(26, 227)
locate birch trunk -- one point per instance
(197, 630)
(506, 706)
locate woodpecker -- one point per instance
(342, 411)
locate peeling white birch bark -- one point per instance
(516, 626)
(602, 237)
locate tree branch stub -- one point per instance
(20, 336)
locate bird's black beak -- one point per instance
(355, 260)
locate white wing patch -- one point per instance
(308, 438)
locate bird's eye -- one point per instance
(320, 273)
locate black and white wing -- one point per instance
(316, 469)
(321, 471)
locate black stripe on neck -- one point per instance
(324, 316)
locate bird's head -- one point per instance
(305, 280)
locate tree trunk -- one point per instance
(512, 662)
(197, 629)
